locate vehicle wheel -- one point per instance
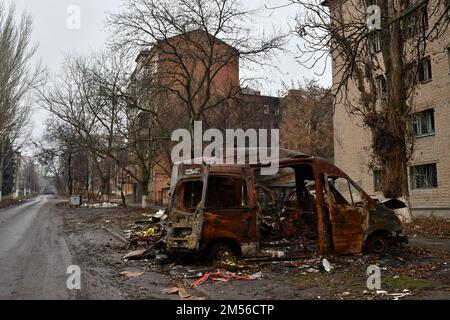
(221, 251)
(378, 244)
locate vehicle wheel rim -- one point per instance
(378, 246)
(222, 254)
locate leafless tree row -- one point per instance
(19, 75)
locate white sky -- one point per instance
(55, 39)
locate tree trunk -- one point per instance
(145, 195)
(391, 141)
(145, 180)
(124, 198)
(2, 158)
(105, 188)
(70, 175)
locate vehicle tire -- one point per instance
(378, 244)
(221, 251)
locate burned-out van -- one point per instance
(309, 207)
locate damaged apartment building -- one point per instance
(429, 168)
(246, 109)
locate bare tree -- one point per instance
(307, 122)
(17, 77)
(83, 101)
(380, 65)
(57, 151)
(92, 97)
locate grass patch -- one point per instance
(330, 283)
(407, 282)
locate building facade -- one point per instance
(241, 108)
(429, 168)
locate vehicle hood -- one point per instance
(383, 218)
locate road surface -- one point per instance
(33, 253)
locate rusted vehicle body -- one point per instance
(310, 206)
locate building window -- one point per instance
(266, 109)
(425, 70)
(382, 86)
(374, 42)
(377, 180)
(416, 22)
(424, 176)
(424, 123)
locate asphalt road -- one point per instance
(34, 255)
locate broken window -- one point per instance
(424, 123)
(382, 86)
(424, 176)
(226, 192)
(340, 189)
(190, 195)
(344, 192)
(416, 22)
(374, 42)
(425, 73)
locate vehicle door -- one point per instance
(348, 211)
(186, 212)
(230, 208)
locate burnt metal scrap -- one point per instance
(310, 206)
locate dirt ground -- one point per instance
(97, 240)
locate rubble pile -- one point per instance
(147, 231)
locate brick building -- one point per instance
(429, 170)
(244, 108)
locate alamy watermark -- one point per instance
(374, 279)
(250, 146)
(74, 280)
(374, 17)
(73, 21)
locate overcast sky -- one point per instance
(55, 38)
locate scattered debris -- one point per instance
(182, 293)
(222, 277)
(149, 232)
(326, 265)
(381, 292)
(102, 205)
(405, 293)
(146, 231)
(161, 214)
(429, 227)
(257, 275)
(137, 254)
(396, 295)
